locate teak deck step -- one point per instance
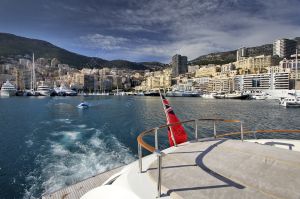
(77, 190)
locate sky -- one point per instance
(151, 30)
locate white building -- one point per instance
(264, 81)
(193, 68)
(284, 47)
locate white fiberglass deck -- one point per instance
(216, 168)
(230, 169)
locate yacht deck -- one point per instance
(211, 168)
(225, 168)
(77, 190)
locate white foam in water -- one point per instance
(82, 126)
(68, 163)
(29, 143)
(67, 121)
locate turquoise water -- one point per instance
(48, 143)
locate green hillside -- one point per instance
(16, 46)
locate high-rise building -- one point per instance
(179, 65)
(241, 52)
(284, 47)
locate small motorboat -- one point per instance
(83, 105)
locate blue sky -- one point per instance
(151, 30)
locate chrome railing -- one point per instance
(159, 154)
(155, 150)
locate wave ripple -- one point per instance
(71, 156)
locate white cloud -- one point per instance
(193, 28)
(99, 41)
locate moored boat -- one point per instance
(182, 93)
(8, 89)
(208, 95)
(151, 93)
(43, 90)
(235, 95)
(290, 101)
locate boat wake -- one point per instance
(73, 155)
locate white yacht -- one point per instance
(293, 100)
(181, 93)
(208, 95)
(43, 90)
(215, 167)
(64, 91)
(258, 96)
(8, 89)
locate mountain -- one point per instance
(15, 47)
(230, 56)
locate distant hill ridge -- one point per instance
(13, 46)
(230, 56)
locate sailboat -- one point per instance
(32, 90)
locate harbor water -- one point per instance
(47, 142)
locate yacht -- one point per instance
(140, 94)
(293, 100)
(184, 90)
(104, 93)
(151, 93)
(8, 89)
(181, 93)
(235, 95)
(64, 91)
(213, 167)
(208, 95)
(259, 96)
(43, 90)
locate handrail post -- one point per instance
(242, 132)
(254, 133)
(196, 130)
(140, 157)
(159, 168)
(156, 138)
(215, 131)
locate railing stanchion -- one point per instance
(242, 132)
(156, 138)
(140, 157)
(215, 131)
(159, 167)
(254, 133)
(196, 130)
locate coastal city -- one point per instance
(261, 76)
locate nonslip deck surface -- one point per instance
(77, 190)
(230, 169)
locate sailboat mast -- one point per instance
(296, 64)
(31, 77)
(296, 72)
(33, 72)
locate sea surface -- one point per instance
(48, 143)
